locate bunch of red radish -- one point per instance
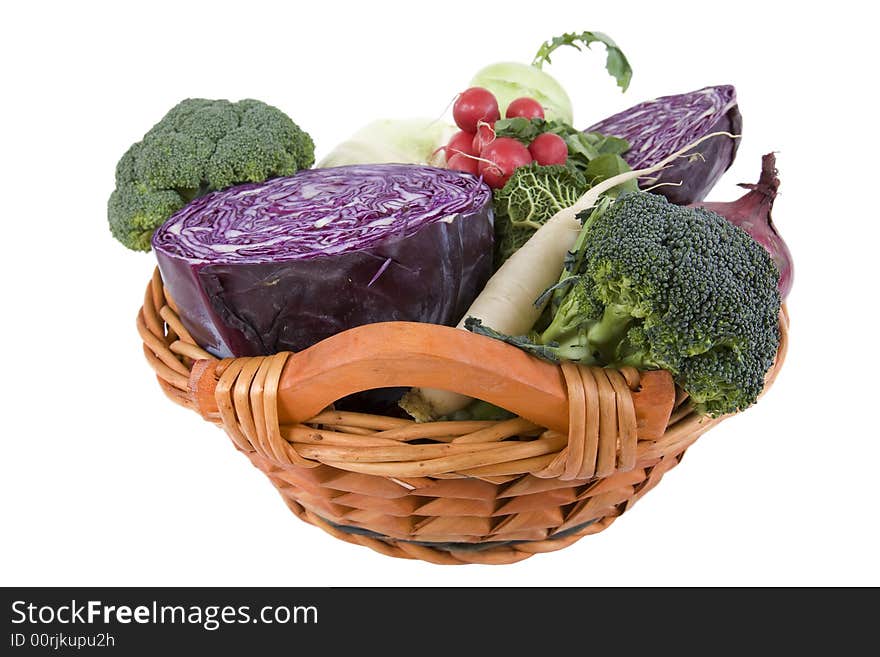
(475, 148)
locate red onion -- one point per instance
(752, 211)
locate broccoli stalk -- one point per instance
(568, 318)
(199, 146)
(605, 334)
(654, 285)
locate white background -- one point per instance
(103, 481)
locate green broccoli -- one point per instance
(659, 286)
(199, 146)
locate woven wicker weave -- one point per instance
(443, 492)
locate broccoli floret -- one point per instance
(136, 211)
(199, 146)
(663, 286)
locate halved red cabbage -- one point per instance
(279, 265)
(658, 128)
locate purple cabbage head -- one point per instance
(658, 128)
(279, 265)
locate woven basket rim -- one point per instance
(416, 455)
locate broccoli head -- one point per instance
(199, 146)
(659, 286)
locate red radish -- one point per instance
(485, 136)
(527, 108)
(462, 162)
(461, 142)
(474, 105)
(499, 159)
(548, 148)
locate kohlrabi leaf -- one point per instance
(616, 62)
(520, 128)
(607, 144)
(527, 343)
(581, 149)
(582, 146)
(607, 166)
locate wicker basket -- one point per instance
(444, 492)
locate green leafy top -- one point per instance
(616, 62)
(535, 193)
(583, 147)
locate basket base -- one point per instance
(489, 492)
(606, 505)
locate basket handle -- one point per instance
(399, 354)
